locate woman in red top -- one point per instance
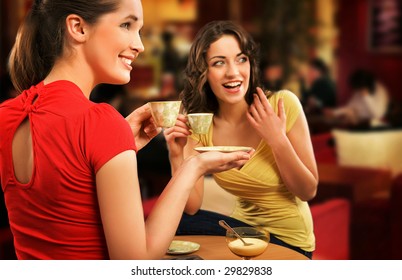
(67, 165)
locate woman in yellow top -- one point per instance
(273, 187)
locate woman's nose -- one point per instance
(232, 69)
(137, 44)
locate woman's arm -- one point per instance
(293, 151)
(181, 147)
(196, 197)
(295, 159)
(128, 236)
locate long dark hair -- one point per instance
(197, 95)
(40, 38)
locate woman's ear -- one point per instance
(76, 28)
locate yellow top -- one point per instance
(262, 198)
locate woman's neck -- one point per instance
(233, 113)
(67, 70)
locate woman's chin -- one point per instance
(122, 80)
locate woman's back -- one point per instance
(51, 197)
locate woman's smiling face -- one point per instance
(228, 70)
(115, 42)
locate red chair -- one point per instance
(396, 218)
(377, 225)
(324, 149)
(331, 228)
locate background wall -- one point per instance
(353, 50)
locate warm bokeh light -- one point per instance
(344, 35)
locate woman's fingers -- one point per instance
(261, 106)
(175, 132)
(151, 129)
(217, 162)
(263, 99)
(257, 106)
(233, 160)
(175, 135)
(281, 109)
(182, 118)
(180, 126)
(254, 113)
(251, 119)
(183, 129)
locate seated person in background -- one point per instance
(368, 104)
(320, 89)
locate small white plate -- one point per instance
(223, 149)
(178, 247)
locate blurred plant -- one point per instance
(287, 31)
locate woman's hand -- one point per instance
(176, 137)
(270, 126)
(215, 162)
(143, 126)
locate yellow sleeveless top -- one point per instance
(262, 198)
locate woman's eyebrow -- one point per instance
(218, 56)
(222, 57)
(132, 17)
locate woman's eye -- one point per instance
(243, 59)
(126, 25)
(217, 63)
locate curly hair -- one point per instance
(197, 95)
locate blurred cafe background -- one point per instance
(329, 53)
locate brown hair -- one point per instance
(197, 95)
(40, 38)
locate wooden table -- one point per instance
(215, 248)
